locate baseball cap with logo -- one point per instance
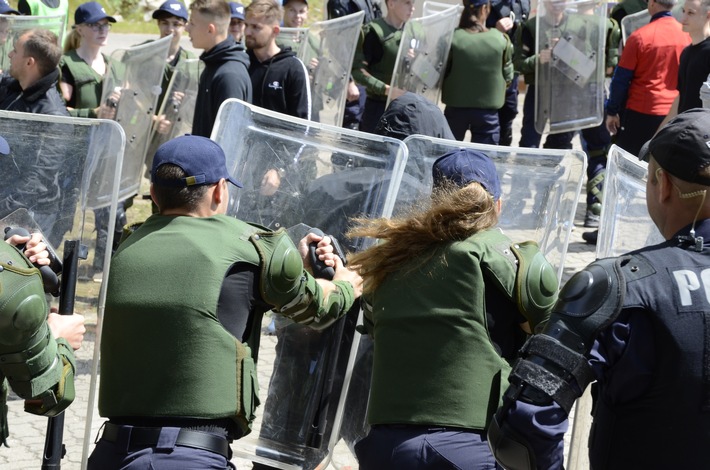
(237, 10)
(464, 166)
(6, 9)
(171, 8)
(682, 147)
(202, 159)
(91, 12)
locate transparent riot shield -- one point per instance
(12, 26)
(178, 109)
(294, 38)
(59, 172)
(540, 190)
(130, 93)
(631, 23)
(624, 223)
(423, 52)
(569, 72)
(431, 8)
(299, 172)
(328, 53)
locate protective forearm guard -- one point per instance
(553, 365)
(293, 292)
(36, 366)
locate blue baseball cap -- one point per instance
(171, 8)
(464, 166)
(4, 147)
(201, 158)
(91, 12)
(237, 10)
(6, 9)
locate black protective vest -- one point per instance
(668, 426)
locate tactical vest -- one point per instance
(87, 85)
(477, 64)
(446, 337)
(192, 366)
(389, 38)
(669, 426)
(38, 8)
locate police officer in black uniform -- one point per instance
(638, 324)
(506, 16)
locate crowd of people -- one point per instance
(478, 355)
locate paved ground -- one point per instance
(27, 431)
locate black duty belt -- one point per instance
(148, 437)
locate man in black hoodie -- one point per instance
(279, 79)
(226, 63)
(31, 87)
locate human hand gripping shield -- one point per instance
(570, 70)
(423, 52)
(326, 174)
(58, 170)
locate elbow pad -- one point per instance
(553, 365)
(36, 366)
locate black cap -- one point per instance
(682, 147)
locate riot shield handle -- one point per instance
(320, 270)
(54, 449)
(49, 273)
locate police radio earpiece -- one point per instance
(49, 276)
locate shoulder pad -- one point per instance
(592, 299)
(281, 266)
(535, 283)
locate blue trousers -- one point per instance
(506, 114)
(374, 109)
(423, 448)
(165, 456)
(483, 124)
(530, 137)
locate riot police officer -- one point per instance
(506, 16)
(638, 325)
(186, 291)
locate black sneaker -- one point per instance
(591, 220)
(591, 237)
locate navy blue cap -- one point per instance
(172, 8)
(91, 12)
(4, 147)
(6, 9)
(199, 157)
(237, 10)
(464, 166)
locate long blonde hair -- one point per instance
(453, 214)
(72, 41)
